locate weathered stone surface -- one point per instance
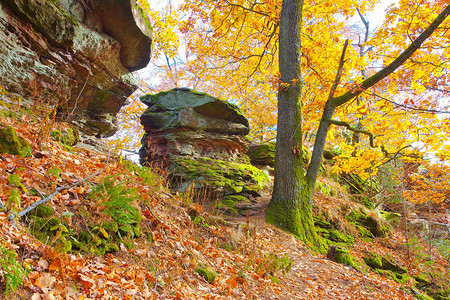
(262, 154)
(201, 141)
(182, 107)
(74, 56)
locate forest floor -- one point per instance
(180, 238)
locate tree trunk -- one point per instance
(290, 207)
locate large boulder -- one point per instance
(202, 141)
(75, 54)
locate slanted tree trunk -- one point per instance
(290, 207)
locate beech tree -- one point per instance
(290, 206)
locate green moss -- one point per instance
(373, 260)
(84, 237)
(383, 263)
(320, 221)
(440, 295)
(344, 257)
(419, 295)
(207, 273)
(392, 218)
(43, 211)
(297, 220)
(263, 154)
(375, 225)
(231, 201)
(111, 226)
(11, 143)
(229, 177)
(199, 220)
(398, 277)
(144, 17)
(111, 247)
(68, 136)
(421, 280)
(336, 236)
(137, 231)
(44, 229)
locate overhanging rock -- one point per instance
(202, 141)
(75, 54)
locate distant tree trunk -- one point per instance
(290, 207)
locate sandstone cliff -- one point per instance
(75, 54)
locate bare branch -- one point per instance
(339, 72)
(57, 190)
(433, 111)
(248, 9)
(338, 101)
(354, 129)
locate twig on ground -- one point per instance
(57, 190)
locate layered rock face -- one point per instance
(75, 54)
(201, 140)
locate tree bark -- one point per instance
(290, 207)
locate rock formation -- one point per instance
(202, 141)
(75, 54)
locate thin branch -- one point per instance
(339, 72)
(433, 111)
(57, 190)
(403, 57)
(249, 9)
(79, 95)
(264, 50)
(354, 129)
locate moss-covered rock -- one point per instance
(401, 278)
(377, 226)
(68, 136)
(383, 262)
(219, 175)
(11, 143)
(391, 217)
(206, 272)
(262, 154)
(421, 280)
(420, 295)
(340, 255)
(237, 183)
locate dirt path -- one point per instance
(314, 276)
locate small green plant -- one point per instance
(118, 201)
(14, 199)
(13, 271)
(15, 179)
(55, 172)
(443, 246)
